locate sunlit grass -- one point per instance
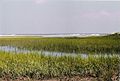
(39, 66)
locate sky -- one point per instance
(59, 16)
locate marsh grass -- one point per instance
(39, 66)
(88, 45)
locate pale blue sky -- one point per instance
(59, 16)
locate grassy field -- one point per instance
(44, 67)
(106, 44)
(39, 66)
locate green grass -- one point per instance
(38, 66)
(105, 44)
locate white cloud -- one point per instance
(105, 13)
(40, 1)
(95, 14)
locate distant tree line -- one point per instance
(117, 34)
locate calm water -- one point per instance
(17, 51)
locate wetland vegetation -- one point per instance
(102, 44)
(104, 67)
(41, 67)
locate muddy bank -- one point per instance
(75, 78)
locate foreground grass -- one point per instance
(38, 66)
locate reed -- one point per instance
(39, 66)
(69, 45)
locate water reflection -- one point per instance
(25, 51)
(17, 50)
